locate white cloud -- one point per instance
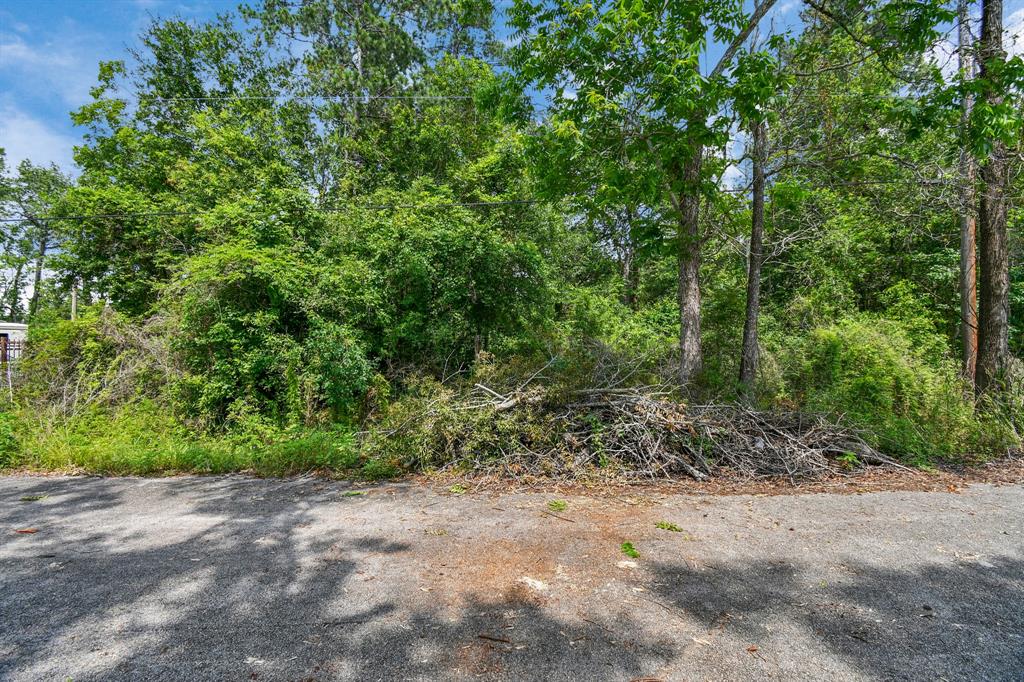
(25, 137)
(1015, 33)
(732, 177)
(67, 67)
(943, 54)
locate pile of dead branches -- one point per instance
(109, 362)
(636, 434)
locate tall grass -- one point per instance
(146, 440)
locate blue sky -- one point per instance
(50, 49)
(49, 53)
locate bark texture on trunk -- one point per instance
(750, 354)
(968, 225)
(37, 277)
(994, 282)
(689, 269)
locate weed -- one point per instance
(457, 489)
(558, 505)
(33, 498)
(629, 550)
(668, 525)
(848, 460)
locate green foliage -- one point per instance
(260, 337)
(302, 267)
(9, 445)
(99, 359)
(444, 282)
(668, 525)
(145, 440)
(871, 372)
(629, 550)
(558, 505)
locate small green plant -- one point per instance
(353, 493)
(33, 498)
(558, 505)
(457, 489)
(629, 550)
(668, 525)
(848, 460)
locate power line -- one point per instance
(343, 97)
(311, 209)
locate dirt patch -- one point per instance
(490, 572)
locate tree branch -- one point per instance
(730, 52)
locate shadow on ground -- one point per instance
(253, 584)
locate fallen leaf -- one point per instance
(27, 531)
(752, 648)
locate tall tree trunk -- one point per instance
(968, 225)
(689, 269)
(14, 296)
(38, 276)
(749, 358)
(994, 289)
(630, 275)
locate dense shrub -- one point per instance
(99, 359)
(261, 341)
(878, 375)
(444, 283)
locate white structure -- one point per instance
(13, 331)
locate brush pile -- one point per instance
(632, 435)
(636, 434)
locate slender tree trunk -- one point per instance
(630, 276)
(689, 270)
(994, 284)
(15, 293)
(749, 358)
(38, 276)
(968, 225)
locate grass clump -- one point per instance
(558, 505)
(668, 525)
(629, 550)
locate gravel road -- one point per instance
(233, 578)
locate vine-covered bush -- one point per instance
(875, 374)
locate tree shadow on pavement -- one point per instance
(246, 592)
(285, 581)
(954, 620)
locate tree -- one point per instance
(968, 224)
(994, 289)
(629, 85)
(749, 352)
(759, 82)
(27, 197)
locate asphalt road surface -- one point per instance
(232, 578)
